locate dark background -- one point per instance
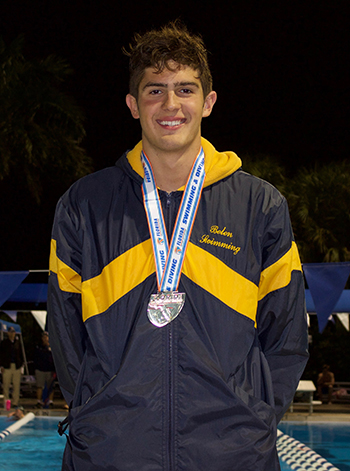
(281, 71)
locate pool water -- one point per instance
(37, 446)
(331, 440)
(41, 450)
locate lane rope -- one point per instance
(17, 425)
(300, 457)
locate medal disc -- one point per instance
(164, 307)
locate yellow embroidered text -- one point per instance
(206, 240)
(223, 232)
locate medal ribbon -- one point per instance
(169, 260)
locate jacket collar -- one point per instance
(218, 165)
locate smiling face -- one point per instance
(170, 107)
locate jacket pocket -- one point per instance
(257, 407)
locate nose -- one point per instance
(171, 101)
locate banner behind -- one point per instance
(9, 282)
(326, 283)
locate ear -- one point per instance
(132, 105)
(209, 103)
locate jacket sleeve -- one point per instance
(66, 328)
(281, 317)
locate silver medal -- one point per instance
(164, 307)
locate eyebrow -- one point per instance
(165, 85)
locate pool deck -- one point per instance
(29, 406)
(337, 412)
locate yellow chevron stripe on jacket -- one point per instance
(237, 292)
(221, 281)
(68, 279)
(233, 289)
(117, 278)
(279, 274)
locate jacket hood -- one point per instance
(218, 165)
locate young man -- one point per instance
(176, 304)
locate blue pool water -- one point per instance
(34, 447)
(330, 440)
(37, 445)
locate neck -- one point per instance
(170, 170)
(170, 175)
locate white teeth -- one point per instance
(170, 123)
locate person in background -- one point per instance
(325, 383)
(44, 373)
(11, 362)
(176, 305)
(17, 414)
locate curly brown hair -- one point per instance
(172, 42)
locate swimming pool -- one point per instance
(43, 449)
(38, 451)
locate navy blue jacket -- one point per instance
(206, 391)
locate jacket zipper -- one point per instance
(171, 433)
(169, 216)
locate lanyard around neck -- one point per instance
(169, 259)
